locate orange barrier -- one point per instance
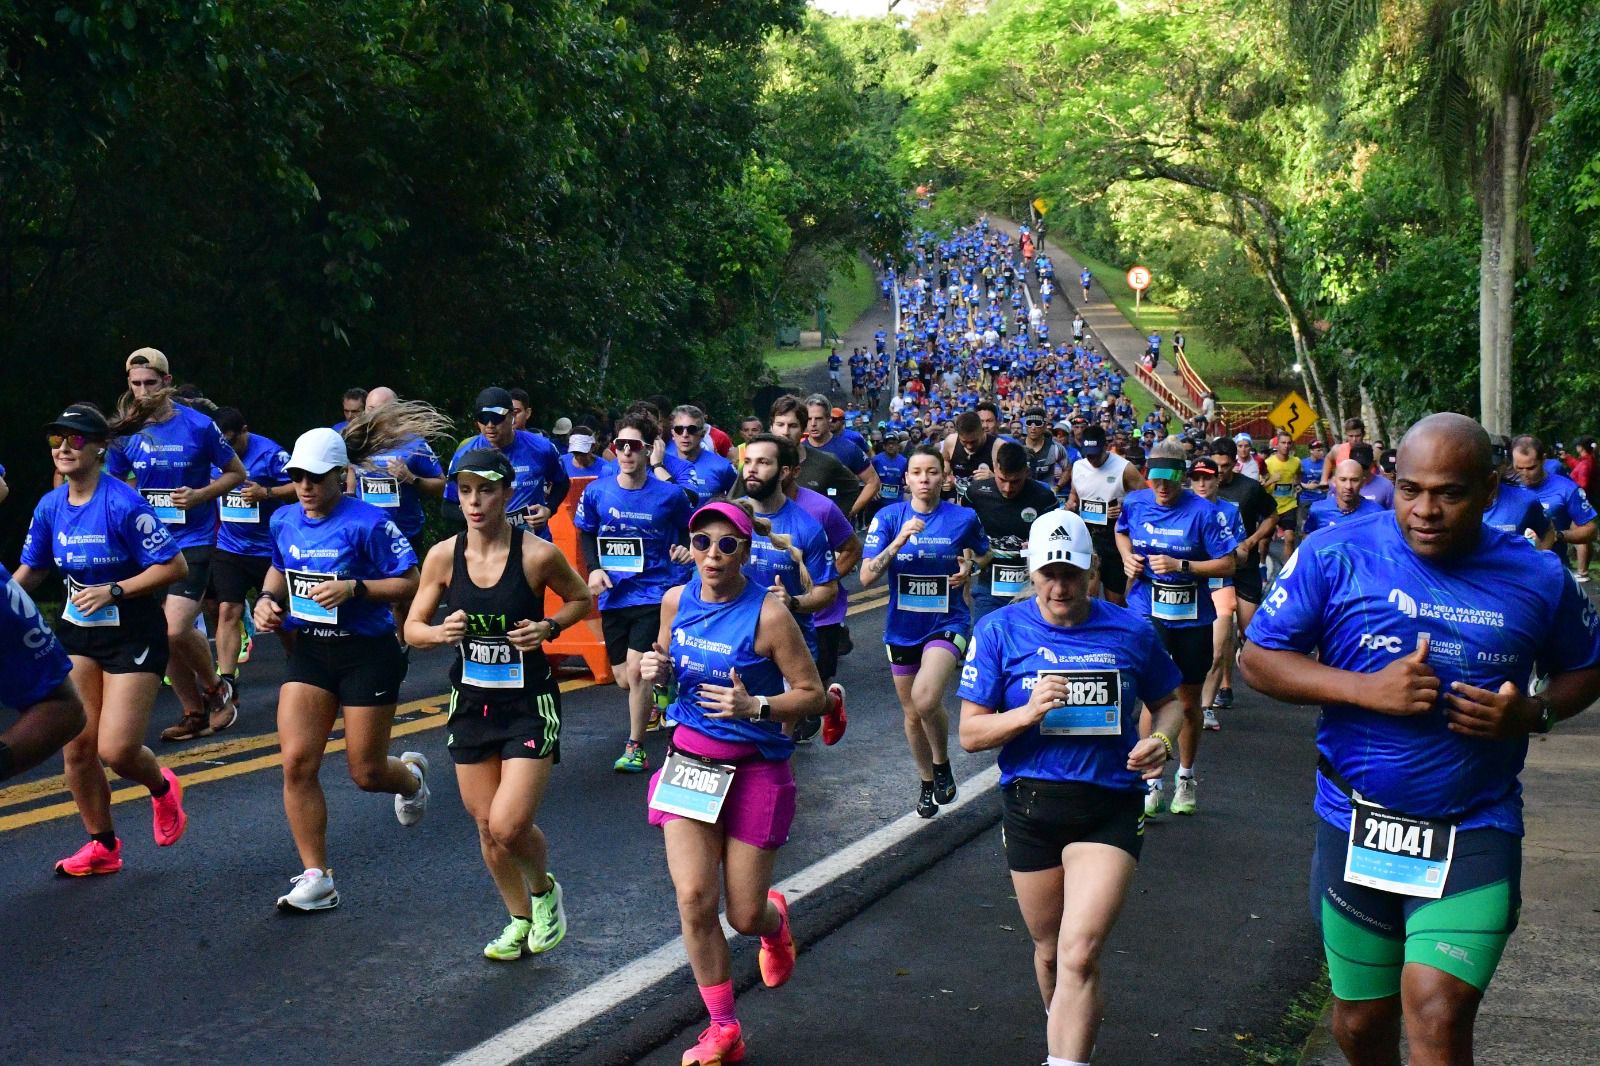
(584, 640)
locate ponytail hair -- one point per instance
(782, 541)
(133, 414)
(386, 428)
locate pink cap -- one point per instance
(724, 510)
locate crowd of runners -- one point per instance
(1096, 579)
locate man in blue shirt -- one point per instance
(1418, 632)
(541, 481)
(1568, 509)
(699, 471)
(1346, 501)
(820, 435)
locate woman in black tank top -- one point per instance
(505, 711)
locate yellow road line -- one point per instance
(52, 811)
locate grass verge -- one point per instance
(1286, 1045)
(1218, 365)
(851, 292)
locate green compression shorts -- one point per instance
(1369, 935)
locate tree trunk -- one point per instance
(1376, 430)
(1510, 178)
(1497, 268)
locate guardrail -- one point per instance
(1159, 389)
(1193, 382)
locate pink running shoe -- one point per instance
(170, 821)
(777, 962)
(93, 858)
(719, 1044)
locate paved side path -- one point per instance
(1117, 336)
(1544, 1004)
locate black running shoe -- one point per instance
(944, 784)
(925, 803)
(806, 730)
(1222, 700)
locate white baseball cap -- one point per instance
(1059, 537)
(318, 451)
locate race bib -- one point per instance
(380, 491)
(235, 508)
(490, 662)
(1093, 707)
(692, 787)
(160, 501)
(889, 492)
(923, 593)
(109, 615)
(622, 555)
(1010, 576)
(1174, 602)
(1283, 490)
(1093, 512)
(1398, 853)
(301, 605)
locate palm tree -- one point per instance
(1481, 93)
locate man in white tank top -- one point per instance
(1100, 480)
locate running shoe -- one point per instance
(1212, 722)
(633, 759)
(93, 858)
(717, 1045)
(410, 809)
(777, 960)
(312, 891)
(1223, 699)
(653, 723)
(806, 730)
(944, 784)
(1183, 797)
(1152, 799)
(925, 802)
(549, 919)
(510, 944)
(225, 716)
(247, 644)
(218, 696)
(189, 727)
(1582, 578)
(170, 821)
(835, 721)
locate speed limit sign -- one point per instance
(1138, 278)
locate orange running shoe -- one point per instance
(719, 1044)
(777, 960)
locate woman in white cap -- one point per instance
(1055, 683)
(337, 565)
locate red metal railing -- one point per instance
(1162, 393)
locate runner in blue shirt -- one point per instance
(834, 363)
(725, 799)
(1344, 502)
(699, 470)
(928, 549)
(1205, 481)
(1516, 509)
(113, 555)
(1312, 489)
(396, 479)
(890, 466)
(542, 481)
(337, 565)
(632, 530)
(1169, 539)
(1084, 278)
(1417, 632)
(244, 540)
(820, 435)
(782, 567)
(34, 682)
(1055, 682)
(171, 460)
(1568, 509)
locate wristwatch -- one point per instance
(763, 709)
(116, 591)
(1184, 564)
(1547, 716)
(358, 589)
(555, 629)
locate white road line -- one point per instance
(556, 1021)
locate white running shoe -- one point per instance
(1211, 722)
(410, 809)
(1184, 796)
(1152, 799)
(312, 891)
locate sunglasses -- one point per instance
(306, 477)
(626, 445)
(489, 418)
(688, 430)
(1033, 423)
(74, 441)
(729, 545)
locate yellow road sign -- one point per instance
(1293, 415)
(1040, 205)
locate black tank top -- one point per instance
(506, 673)
(964, 464)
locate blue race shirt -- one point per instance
(1563, 501)
(919, 609)
(1013, 644)
(768, 562)
(1359, 597)
(115, 535)
(245, 528)
(892, 476)
(838, 446)
(709, 641)
(178, 453)
(706, 476)
(634, 531)
(400, 500)
(1325, 513)
(1311, 479)
(541, 480)
(598, 469)
(354, 541)
(1193, 529)
(1517, 510)
(32, 661)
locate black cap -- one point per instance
(493, 399)
(1094, 440)
(1221, 446)
(488, 463)
(82, 418)
(1204, 466)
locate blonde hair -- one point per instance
(385, 428)
(782, 541)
